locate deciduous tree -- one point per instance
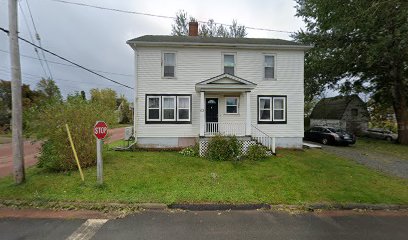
(360, 46)
(208, 29)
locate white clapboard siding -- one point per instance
(195, 65)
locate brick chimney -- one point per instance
(193, 29)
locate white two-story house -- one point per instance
(189, 88)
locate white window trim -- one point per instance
(175, 64)
(226, 98)
(235, 61)
(270, 110)
(264, 66)
(174, 109)
(148, 108)
(189, 109)
(284, 109)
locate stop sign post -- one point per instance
(100, 131)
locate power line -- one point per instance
(65, 59)
(35, 77)
(32, 39)
(37, 36)
(160, 16)
(70, 65)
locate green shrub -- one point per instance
(191, 151)
(221, 148)
(256, 152)
(50, 158)
(47, 123)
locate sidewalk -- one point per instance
(31, 150)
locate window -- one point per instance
(279, 109)
(153, 108)
(269, 67)
(229, 64)
(169, 64)
(272, 109)
(183, 108)
(231, 105)
(354, 112)
(265, 108)
(168, 108)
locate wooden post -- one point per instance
(99, 161)
(16, 107)
(202, 114)
(248, 114)
(75, 153)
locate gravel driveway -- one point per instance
(378, 161)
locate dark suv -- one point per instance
(328, 135)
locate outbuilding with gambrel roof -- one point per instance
(346, 112)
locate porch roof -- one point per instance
(225, 83)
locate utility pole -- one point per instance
(16, 116)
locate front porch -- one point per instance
(225, 109)
(225, 106)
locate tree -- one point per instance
(381, 115)
(49, 89)
(106, 97)
(209, 29)
(365, 51)
(124, 113)
(29, 96)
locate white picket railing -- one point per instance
(263, 138)
(225, 128)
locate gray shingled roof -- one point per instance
(332, 108)
(212, 40)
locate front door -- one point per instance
(211, 114)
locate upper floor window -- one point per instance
(269, 67)
(169, 64)
(354, 112)
(229, 64)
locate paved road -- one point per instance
(214, 225)
(31, 150)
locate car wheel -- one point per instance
(325, 141)
(389, 139)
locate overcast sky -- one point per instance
(96, 38)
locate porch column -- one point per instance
(248, 114)
(202, 114)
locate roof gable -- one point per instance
(225, 81)
(226, 78)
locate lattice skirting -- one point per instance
(243, 143)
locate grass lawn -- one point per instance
(295, 177)
(383, 147)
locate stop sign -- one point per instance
(100, 130)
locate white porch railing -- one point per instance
(263, 138)
(225, 128)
